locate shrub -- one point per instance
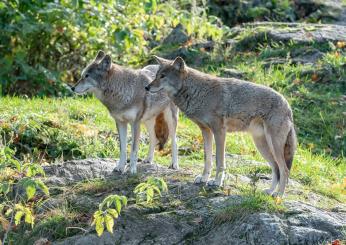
(46, 43)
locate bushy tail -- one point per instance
(290, 147)
(161, 130)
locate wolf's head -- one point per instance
(93, 74)
(169, 77)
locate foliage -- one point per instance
(18, 176)
(106, 215)
(148, 191)
(71, 32)
(236, 12)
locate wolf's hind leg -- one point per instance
(263, 148)
(135, 130)
(150, 125)
(208, 155)
(276, 141)
(122, 131)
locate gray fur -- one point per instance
(122, 91)
(220, 105)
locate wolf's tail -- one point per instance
(161, 130)
(290, 147)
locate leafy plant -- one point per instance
(71, 32)
(14, 203)
(108, 211)
(148, 191)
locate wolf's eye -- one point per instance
(87, 75)
(162, 75)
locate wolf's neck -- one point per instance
(119, 88)
(187, 95)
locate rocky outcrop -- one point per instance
(186, 216)
(248, 36)
(243, 11)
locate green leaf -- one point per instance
(99, 227)
(18, 216)
(124, 200)
(118, 205)
(5, 187)
(150, 195)
(30, 191)
(109, 223)
(8, 212)
(29, 218)
(42, 186)
(113, 212)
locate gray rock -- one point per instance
(178, 36)
(317, 9)
(275, 32)
(194, 220)
(230, 72)
(73, 171)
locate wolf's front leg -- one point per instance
(122, 131)
(208, 156)
(172, 120)
(150, 125)
(220, 137)
(135, 130)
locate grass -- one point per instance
(56, 129)
(251, 202)
(318, 170)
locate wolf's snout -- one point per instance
(147, 88)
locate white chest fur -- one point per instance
(128, 115)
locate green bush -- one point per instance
(45, 43)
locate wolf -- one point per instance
(219, 105)
(122, 92)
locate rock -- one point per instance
(299, 34)
(240, 11)
(178, 36)
(193, 219)
(317, 9)
(73, 171)
(306, 225)
(230, 72)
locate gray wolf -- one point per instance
(219, 105)
(122, 91)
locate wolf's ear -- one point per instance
(100, 55)
(179, 64)
(106, 63)
(159, 60)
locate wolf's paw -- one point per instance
(174, 166)
(268, 192)
(277, 194)
(121, 168)
(201, 179)
(148, 160)
(133, 170)
(215, 182)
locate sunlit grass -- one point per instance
(83, 126)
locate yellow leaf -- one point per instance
(278, 200)
(109, 223)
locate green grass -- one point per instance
(251, 202)
(320, 172)
(54, 129)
